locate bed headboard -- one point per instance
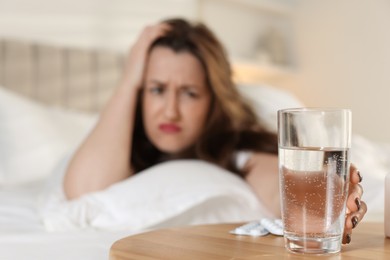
(71, 78)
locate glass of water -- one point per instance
(314, 150)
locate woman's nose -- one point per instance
(171, 109)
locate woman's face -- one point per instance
(176, 99)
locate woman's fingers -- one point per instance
(355, 191)
(136, 60)
(355, 217)
(356, 208)
(355, 176)
(152, 32)
(352, 221)
(354, 197)
(347, 236)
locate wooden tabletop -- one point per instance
(214, 242)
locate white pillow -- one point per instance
(181, 192)
(267, 100)
(34, 137)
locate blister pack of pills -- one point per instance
(260, 228)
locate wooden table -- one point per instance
(214, 242)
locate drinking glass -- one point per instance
(314, 150)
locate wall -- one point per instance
(240, 25)
(256, 34)
(343, 50)
(86, 23)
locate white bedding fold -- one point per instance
(154, 197)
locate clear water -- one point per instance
(314, 186)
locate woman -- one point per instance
(177, 100)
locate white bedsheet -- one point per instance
(23, 236)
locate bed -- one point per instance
(50, 98)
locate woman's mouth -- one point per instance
(169, 128)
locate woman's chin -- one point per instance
(171, 149)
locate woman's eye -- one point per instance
(190, 93)
(156, 90)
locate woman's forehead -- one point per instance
(164, 65)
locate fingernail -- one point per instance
(355, 221)
(357, 201)
(360, 177)
(348, 237)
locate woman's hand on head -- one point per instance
(356, 208)
(136, 60)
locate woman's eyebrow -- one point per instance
(193, 86)
(182, 86)
(187, 86)
(155, 81)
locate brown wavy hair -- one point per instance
(232, 124)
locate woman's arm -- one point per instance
(104, 156)
(262, 175)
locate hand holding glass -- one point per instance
(314, 166)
